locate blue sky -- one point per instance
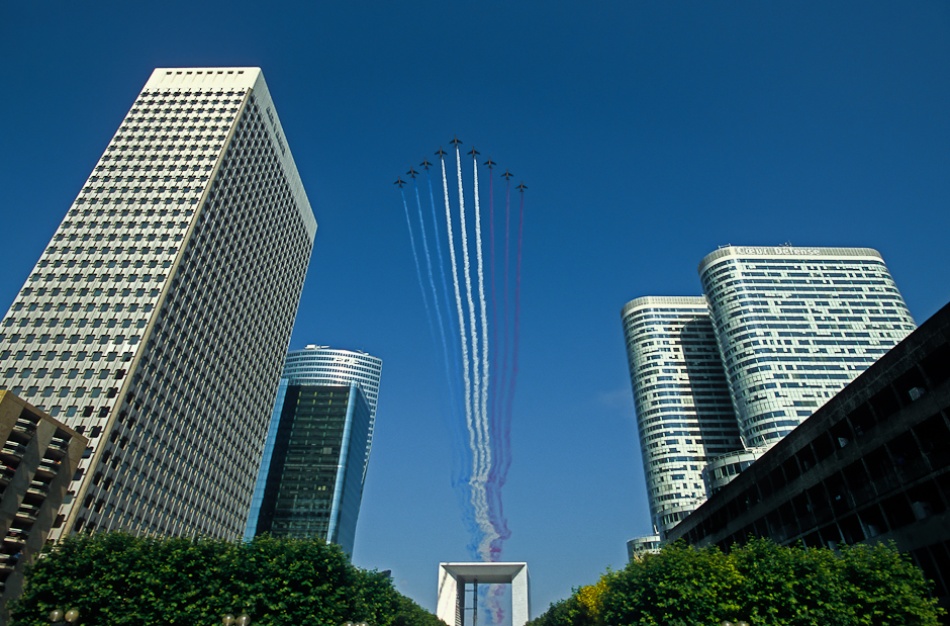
(649, 133)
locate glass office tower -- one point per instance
(314, 466)
(719, 379)
(156, 321)
(684, 414)
(795, 325)
(325, 365)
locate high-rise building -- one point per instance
(322, 365)
(718, 380)
(795, 325)
(37, 462)
(872, 465)
(318, 445)
(684, 414)
(156, 321)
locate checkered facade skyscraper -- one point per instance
(156, 321)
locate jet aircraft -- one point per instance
(400, 182)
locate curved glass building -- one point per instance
(719, 379)
(684, 415)
(795, 325)
(322, 365)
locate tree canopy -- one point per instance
(118, 579)
(760, 583)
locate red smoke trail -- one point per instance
(501, 427)
(505, 348)
(506, 437)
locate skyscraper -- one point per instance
(322, 365)
(684, 414)
(779, 332)
(318, 446)
(156, 321)
(795, 325)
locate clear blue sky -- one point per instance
(649, 133)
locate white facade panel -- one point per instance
(156, 320)
(795, 325)
(684, 415)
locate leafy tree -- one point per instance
(118, 579)
(681, 586)
(761, 583)
(566, 612)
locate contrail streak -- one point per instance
(466, 270)
(483, 400)
(506, 334)
(479, 499)
(458, 305)
(506, 462)
(493, 377)
(415, 258)
(450, 349)
(428, 257)
(440, 262)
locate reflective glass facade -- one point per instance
(317, 451)
(325, 365)
(314, 481)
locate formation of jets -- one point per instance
(412, 173)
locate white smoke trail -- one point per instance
(483, 400)
(467, 269)
(458, 307)
(480, 464)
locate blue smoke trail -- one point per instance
(415, 258)
(435, 298)
(482, 369)
(451, 351)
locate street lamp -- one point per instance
(240, 620)
(57, 617)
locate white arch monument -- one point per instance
(453, 577)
